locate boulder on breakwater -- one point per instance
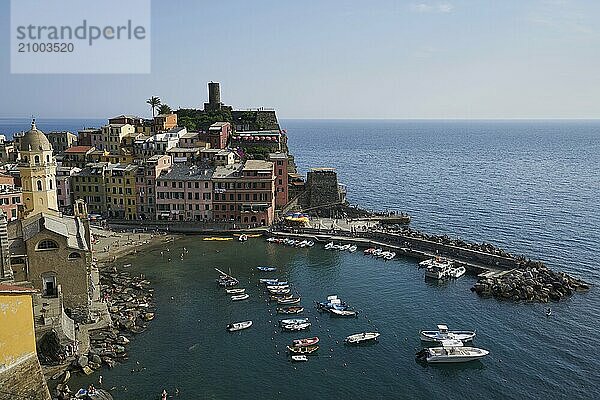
(534, 282)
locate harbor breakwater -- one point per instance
(501, 274)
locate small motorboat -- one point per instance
(456, 272)
(305, 342)
(390, 256)
(352, 248)
(292, 300)
(303, 350)
(299, 357)
(227, 282)
(126, 265)
(369, 251)
(235, 291)
(296, 327)
(266, 268)
(310, 243)
(275, 297)
(329, 246)
(451, 354)
(438, 268)
(277, 287)
(292, 321)
(279, 291)
(238, 326)
(343, 313)
(269, 281)
(243, 238)
(361, 337)
(240, 297)
(345, 247)
(290, 310)
(444, 334)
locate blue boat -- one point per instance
(265, 268)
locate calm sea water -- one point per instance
(531, 187)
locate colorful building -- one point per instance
(184, 193)
(119, 180)
(11, 196)
(145, 184)
(61, 141)
(64, 193)
(218, 135)
(88, 185)
(21, 375)
(244, 193)
(280, 161)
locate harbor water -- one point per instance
(530, 187)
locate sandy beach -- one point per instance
(110, 245)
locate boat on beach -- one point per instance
(235, 291)
(303, 350)
(240, 297)
(290, 310)
(444, 334)
(305, 342)
(238, 326)
(362, 337)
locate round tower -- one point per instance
(214, 93)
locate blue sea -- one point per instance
(530, 187)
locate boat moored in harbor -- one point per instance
(305, 342)
(444, 334)
(362, 337)
(303, 350)
(451, 354)
(238, 326)
(240, 297)
(290, 310)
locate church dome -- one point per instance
(35, 140)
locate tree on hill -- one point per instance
(154, 103)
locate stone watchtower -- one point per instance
(323, 188)
(37, 168)
(214, 97)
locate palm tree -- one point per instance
(164, 109)
(154, 103)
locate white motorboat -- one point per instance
(352, 248)
(293, 321)
(235, 291)
(238, 326)
(390, 255)
(343, 313)
(451, 354)
(243, 238)
(277, 287)
(329, 246)
(362, 337)
(296, 327)
(345, 247)
(438, 269)
(269, 281)
(240, 297)
(299, 357)
(310, 243)
(444, 334)
(279, 291)
(457, 272)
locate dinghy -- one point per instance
(303, 350)
(444, 334)
(296, 327)
(329, 246)
(277, 287)
(293, 300)
(235, 291)
(361, 337)
(265, 268)
(343, 313)
(352, 248)
(238, 326)
(297, 357)
(279, 291)
(305, 342)
(269, 281)
(240, 297)
(290, 310)
(292, 321)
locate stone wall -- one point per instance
(24, 380)
(71, 273)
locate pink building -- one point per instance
(145, 184)
(218, 135)
(10, 197)
(280, 161)
(184, 194)
(64, 195)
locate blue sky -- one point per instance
(344, 59)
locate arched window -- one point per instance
(39, 184)
(37, 159)
(47, 244)
(74, 256)
(253, 219)
(50, 184)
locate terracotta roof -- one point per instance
(78, 149)
(15, 289)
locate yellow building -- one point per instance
(113, 134)
(20, 372)
(37, 168)
(120, 181)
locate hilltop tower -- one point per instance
(214, 97)
(37, 168)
